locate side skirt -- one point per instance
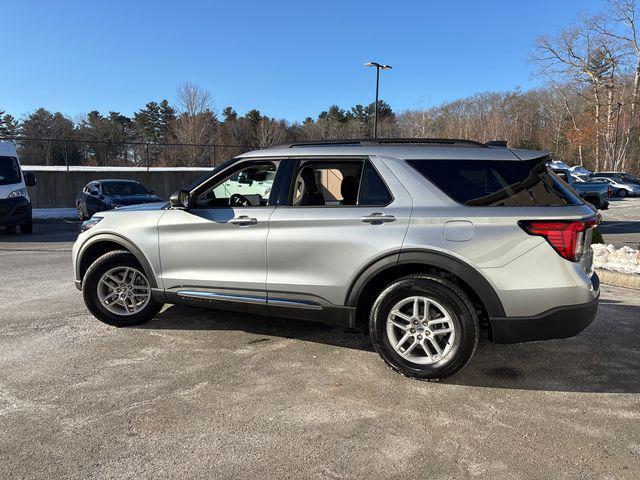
(259, 305)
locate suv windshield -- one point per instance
(9, 171)
(123, 188)
(497, 183)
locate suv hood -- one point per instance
(133, 199)
(143, 207)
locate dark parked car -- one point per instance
(101, 195)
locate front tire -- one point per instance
(81, 214)
(622, 193)
(27, 228)
(117, 291)
(424, 326)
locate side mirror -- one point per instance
(30, 179)
(181, 199)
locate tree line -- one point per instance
(586, 113)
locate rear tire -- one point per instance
(622, 193)
(133, 309)
(595, 201)
(441, 335)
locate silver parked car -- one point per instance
(422, 242)
(621, 186)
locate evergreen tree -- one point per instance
(167, 121)
(148, 121)
(229, 114)
(8, 125)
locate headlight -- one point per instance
(21, 192)
(92, 222)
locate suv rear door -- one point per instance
(322, 236)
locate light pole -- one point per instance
(375, 115)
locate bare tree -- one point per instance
(196, 123)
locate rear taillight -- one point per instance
(565, 236)
(610, 191)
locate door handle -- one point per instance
(377, 218)
(243, 220)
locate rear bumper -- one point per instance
(559, 322)
(15, 211)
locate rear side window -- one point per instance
(497, 183)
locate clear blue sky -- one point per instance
(289, 59)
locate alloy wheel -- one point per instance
(422, 331)
(124, 291)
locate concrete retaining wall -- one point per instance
(58, 189)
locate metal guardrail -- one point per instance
(96, 153)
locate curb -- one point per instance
(618, 279)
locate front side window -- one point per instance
(490, 183)
(338, 184)
(248, 186)
(9, 171)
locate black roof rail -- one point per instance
(497, 143)
(384, 141)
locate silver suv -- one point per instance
(420, 241)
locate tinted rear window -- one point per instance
(497, 183)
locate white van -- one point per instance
(15, 204)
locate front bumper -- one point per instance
(559, 322)
(15, 211)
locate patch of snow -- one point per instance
(55, 213)
(623, 260)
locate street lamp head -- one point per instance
(377, 65)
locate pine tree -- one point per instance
(149, 122)
(167, 121)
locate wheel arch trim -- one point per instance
(126, 244)
(461, 269)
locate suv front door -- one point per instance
(328, 232)
(217, 248)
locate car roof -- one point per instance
(410, 149)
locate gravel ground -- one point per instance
(204, 394)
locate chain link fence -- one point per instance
(101, 153)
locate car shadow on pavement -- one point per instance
(605, 358)
(182, 317)
(620, 226)
(43, 232)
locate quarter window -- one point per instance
(496, 182)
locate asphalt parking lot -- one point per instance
(621, 222)
(204, 394)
